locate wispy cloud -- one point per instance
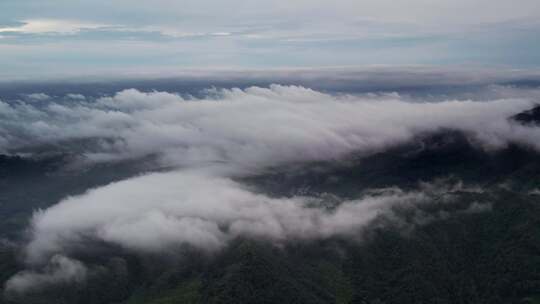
(51, 26)
(73, 27)
(60, 270)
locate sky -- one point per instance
(46, 38)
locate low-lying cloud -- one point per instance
(60, 269)
(154, 212)
(209, 141)
(253, 127)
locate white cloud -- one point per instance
(75, 96)
(71, 27)
(257, 126)
(38, 96)
(229, 133)
(42, 26)
(221, 34)
(160, 210)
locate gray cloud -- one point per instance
(60, 269)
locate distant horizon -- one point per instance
(434, 73)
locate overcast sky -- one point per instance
(40, 38)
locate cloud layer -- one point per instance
(208, 141)
(252, 127)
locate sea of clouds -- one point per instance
(207, 142)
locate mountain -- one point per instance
(474, 238)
